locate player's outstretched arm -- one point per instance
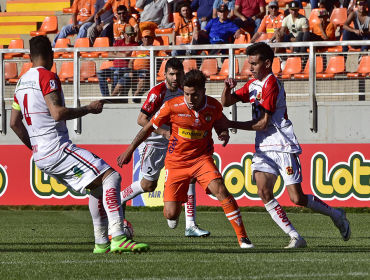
(227, 99)
(258, 124)
(59, 112)
(221, 127)
(18, 127)
(144, 133)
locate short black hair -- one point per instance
(175, 64)
(122, 8)
(182, 5)
(40, 46)
(195, 78)
(263, 50)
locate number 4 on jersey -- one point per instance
(26, 114)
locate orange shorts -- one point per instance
(177, 179)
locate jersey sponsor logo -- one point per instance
(77, 171)
(47, 187)
(191, 134)
(53, 85)
(211, 106)
(152, 98)
(173, 145)
(3, 180)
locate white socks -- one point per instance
(190, 207)
(317, 205)
(131, 191)
(279, 216)
(99, 216)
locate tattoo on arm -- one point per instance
(54, 98)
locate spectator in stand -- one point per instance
(138, 69)
(187, 26)
(322, 31)
(296, 23)
(204, 9)
(113, 5)
(103, 26)
(174, 5)
(270, 23)
(155, 15)
(124, 20)
(219, 29)
(229, 3)
(250, 13)
(82, 18)
(120, 66)
(360, 19)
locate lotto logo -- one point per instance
(289, 170)
(3, 180)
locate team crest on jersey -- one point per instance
(208, 116)
(259, 95)
(53, 85)
(289, 170)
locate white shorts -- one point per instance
(151, 161)
(285, 164)
(76, 168)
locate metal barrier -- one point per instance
(307, 77)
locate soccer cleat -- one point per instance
(343, 225)
(98, 250)
(245, 243)
(296, 242)
(196, 231)
(173, 223)
(128, 245)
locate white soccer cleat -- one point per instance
(173, 223)
(296, 242)
(343, 225)
(245, 243)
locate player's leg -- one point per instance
(172, 211)
(191, 228)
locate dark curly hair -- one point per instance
(195, 78)
(263, 50)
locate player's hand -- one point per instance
(96, 107)
(230, 83)
(124, 158)
(225, 138)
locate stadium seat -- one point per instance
(10, 71)
(80, 43)
(245, 73)
(335, 66)
(49, 25)
(283, 3)
(306, 71)
(66, 71)
(302, 12)
(100, 42)
(14, 44)
(293, 66)
(67, 10)
(87, 70)
(263, 37)
(224, 72)
(314, 19)
(363, 69)
(61, 43)
(338, 16)
(189, 64)
(276, 66)
(179, 39)
(161, 41)
(163, 31)
(25, 67)
(54, 68)
(104, 65)
(209, 67)
(243, 39)
(161, 73)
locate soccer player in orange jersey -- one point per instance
(190, 149)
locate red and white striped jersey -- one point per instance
(156, 98)
(47, 135)
(269, 95)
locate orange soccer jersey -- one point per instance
(191, 131)
(114, 4)
(269, 25)
(83, 9)
(186, 29)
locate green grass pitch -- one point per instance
(58, 245)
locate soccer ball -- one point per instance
(128, 229)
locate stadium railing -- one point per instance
(303, 79)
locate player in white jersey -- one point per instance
(153, 150)
(39, 100)
(277, 148)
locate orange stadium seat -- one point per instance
(66, 71)
(14, 44)
(306, 71)
(161, 74)
(224, 72)
(80, 43)
(161, 41)
(67, 10)
(335, 66)
(302, 12)
(88, 70)
(61, 43)
(363, 69)
(263, 37)
(189, 64)
(49, 25)
(338, 16)
(54, 68)
(25, 67)
(276, 66)
(100, 42)
(104, 65)
(209, 67)
(293, 66)
(283, 3)
(243, 39)
(314, 19)
(10, 71)
(245, 73)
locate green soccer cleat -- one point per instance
(196, 231)
(128, 245)
(98, 250)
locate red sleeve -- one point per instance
(154, 100)
(238, 2)
(49, 81)
(162, 116)
(262, 3)
(270, 93)
(242, 94)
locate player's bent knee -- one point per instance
(218, 189)
(148, 186)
